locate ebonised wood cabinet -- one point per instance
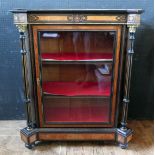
(77, 70)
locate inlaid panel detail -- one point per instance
(76, 18)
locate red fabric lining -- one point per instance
(76, 56)
(76, 88)
(77, 114)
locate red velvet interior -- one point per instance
(76, 88)
(77, 114)
(76, 56)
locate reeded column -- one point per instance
(22, 28)
(130, 52)
(124, 133)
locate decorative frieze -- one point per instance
(77, 18)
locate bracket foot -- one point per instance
(29, 146)
(123, 146)
(29, 137)
(123, 137)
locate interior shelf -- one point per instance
(76, 56)
(77, 88)
(76, 97)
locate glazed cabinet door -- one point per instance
(77, 74)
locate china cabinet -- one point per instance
(77, 70)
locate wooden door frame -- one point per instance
(117, 28)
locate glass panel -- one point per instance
(77, 79)
(76, 45)
(70, 109)
(76, 75)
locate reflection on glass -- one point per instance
(76, 92)
(76, 80)
(70, 109)
(76, 46)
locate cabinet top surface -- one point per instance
(122, 11)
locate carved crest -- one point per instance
(77, 18)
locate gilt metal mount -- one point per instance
(21, 27)
(77, 18)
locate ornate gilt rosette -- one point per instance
(77, 18)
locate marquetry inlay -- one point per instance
(121, 18)
(33, 18)
(76, 18)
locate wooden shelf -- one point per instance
(51, 96)
(77, 88)
(76, 57)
